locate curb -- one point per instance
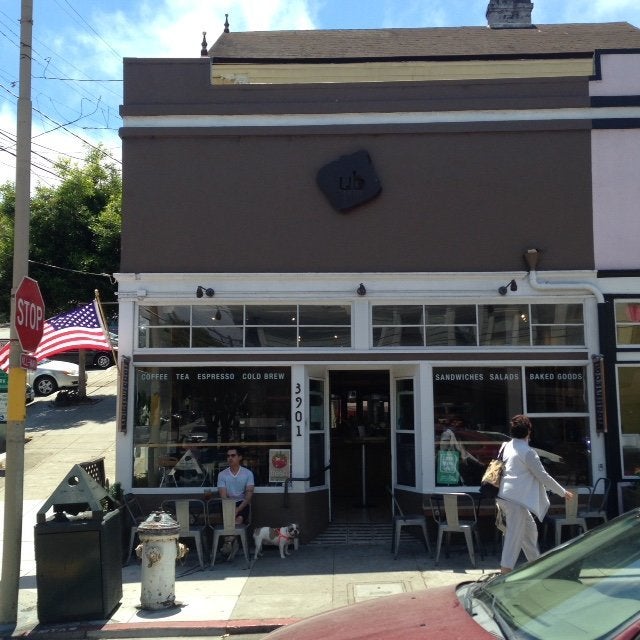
(159, 629)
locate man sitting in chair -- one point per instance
(236, 482)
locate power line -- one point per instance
(93, 30)
(101, 115)
(108, 112)
(35, 153)
(63, 126)
(79, 79)
(84, 273)
(55, 175)
(11, 136)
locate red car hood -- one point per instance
(435, 613)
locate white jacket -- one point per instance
(525, 480)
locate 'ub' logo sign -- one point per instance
(349, 181)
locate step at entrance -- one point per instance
(354, 533)
(357, 533)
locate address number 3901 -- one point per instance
(297, 416)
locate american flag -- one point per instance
(77, 329)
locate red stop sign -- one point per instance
(29, 314)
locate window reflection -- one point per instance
(564, 447)
(245, 326)
(186, 418)
(473, 406)
(629, 395)
(504, 324)
(556, 389)
(405, 437)
(458, 325)
(627, 322)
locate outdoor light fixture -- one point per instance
(205, 291)
(361, 290)
(510, 285)
(217, 315)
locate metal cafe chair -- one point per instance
(186, 513)
(229, 528)
(400, 520)
(597, 503)
(570, 518)
(136, 517)
(446, 509)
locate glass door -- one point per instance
(318, 426)
(405, 459)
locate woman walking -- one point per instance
(523, 490)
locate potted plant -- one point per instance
(115, 492)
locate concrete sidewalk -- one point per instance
(273, 592)
(230, 598)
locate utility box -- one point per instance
(78, 552)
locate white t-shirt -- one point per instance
(236, 485)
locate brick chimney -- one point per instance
(509, 14)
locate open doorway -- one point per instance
(360, 445)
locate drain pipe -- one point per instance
(531, 258)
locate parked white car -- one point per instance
(52, 375)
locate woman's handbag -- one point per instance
(490, 483)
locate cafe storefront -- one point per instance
(333, 403)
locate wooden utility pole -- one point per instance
(16, 410)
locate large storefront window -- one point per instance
(473, 406)
(629, 407)
(244, 326)
(628, 323)
(506, 325)
(187, 417)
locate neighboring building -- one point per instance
(361, 252)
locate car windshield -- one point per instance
(586, 589)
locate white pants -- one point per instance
(521, 534)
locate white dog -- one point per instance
(281, 537)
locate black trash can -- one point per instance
(78, 552)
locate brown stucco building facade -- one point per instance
(360, 279)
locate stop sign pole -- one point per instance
(16, 410)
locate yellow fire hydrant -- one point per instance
(158, 549)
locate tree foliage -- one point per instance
(74, 236)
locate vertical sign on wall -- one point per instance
(600, 396)
(4, 388)
(123, 394)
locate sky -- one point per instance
(78, 47)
